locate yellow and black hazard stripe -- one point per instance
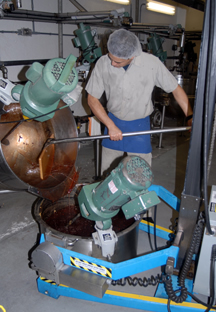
(47, 280)
(91, 267)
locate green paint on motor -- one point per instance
(155, 44)
(132, 175)
(128, 182)
(85, 40)
(46, 86)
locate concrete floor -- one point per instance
(19, 231)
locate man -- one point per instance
(128, 77)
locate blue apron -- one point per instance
(132, 144)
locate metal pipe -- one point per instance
(9, 32)
(34, 33)
(162, 125)
(47, 14)
(30, 12)
(182, 40)
(89, 13)
(140, 12)
(26, 17)
(66, 18)
(131, 10)
(18, 4)
(32, 7)
(54, 17)
(22, 62)
(60, 31)
(4, 71)
(78, 6)
(167, 26)
(137, 11)
(99, 137)
(97, 169)
(91, 21)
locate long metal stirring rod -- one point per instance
(100, 137)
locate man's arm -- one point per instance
(98, 110)
(183, 101)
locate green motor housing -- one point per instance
(132, 175)
(85, 40)
(46, 86)
(155, 44)
(129, 181)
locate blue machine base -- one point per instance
(159, 302)
(118, 298)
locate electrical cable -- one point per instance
(194, 298)
(210, 9)
(4, 139)
(196, 240)
(168, 303)
(212, 277)
(33, 118)
(161, 278)
(153, 281)
(144, 282)
(199, 233)
(186, 266)
(155, 236)
(150, 242)
(171, 237)
(174, 227)
(200, 301)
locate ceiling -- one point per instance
(195, 4)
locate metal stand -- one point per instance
(97, 160)
(162, 125)
(118, 298)
(196, 171)
(124, 269)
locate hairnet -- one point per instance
(124, 44)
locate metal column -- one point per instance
(196, 170)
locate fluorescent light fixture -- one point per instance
(120, 1)
(160, 7)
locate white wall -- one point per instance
(40, 46)
(149, 17)
(45, 46)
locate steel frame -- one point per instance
(123, 299)
(124, 269)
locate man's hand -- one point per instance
(98, 110)
(189, 122)
(115, 133)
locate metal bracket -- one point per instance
(188, 214)
(24, 32)
(106, 239)
(170, 266)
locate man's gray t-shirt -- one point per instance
(129, 92)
